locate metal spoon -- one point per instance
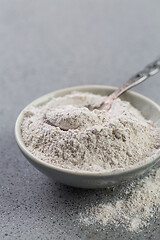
(148, 71)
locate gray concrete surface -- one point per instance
(47, 45)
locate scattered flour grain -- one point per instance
(132, 205)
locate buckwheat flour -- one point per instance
(65, 133)
(132, 205)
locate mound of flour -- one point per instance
(65, 133)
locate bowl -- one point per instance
(80, 179)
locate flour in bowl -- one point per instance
(65, 133)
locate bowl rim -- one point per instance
(47, 97)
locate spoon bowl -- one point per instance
(82, 179)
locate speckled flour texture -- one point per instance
(132, 205)
(65, 133)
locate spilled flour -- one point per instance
(132, 205)
(65, 133)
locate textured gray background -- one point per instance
(47, 45)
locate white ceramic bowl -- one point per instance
(149, 109)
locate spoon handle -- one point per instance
(148, 71)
